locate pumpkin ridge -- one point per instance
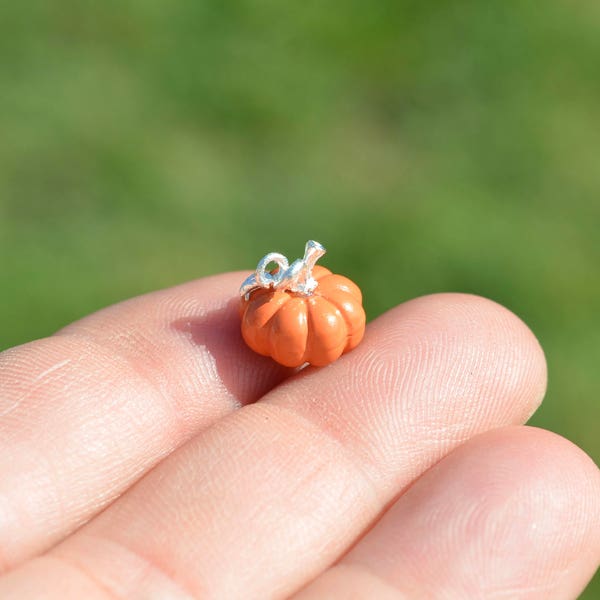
(265, 326)
(309, 335)
(329, 306)
(352, 289)
(349, 326)
(311, 338)
(336, 307)
(269, 322)
(275, 342)
(320, 272)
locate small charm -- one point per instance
(301, 313)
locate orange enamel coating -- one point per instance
(294, 329)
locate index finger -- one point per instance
(86, 412)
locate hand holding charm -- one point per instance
(301, 313)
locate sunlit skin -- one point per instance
(147, 452)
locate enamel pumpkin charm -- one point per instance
(301, 313)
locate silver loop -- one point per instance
(266, 279)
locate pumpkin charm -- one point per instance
(301, 313)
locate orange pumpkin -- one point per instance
(296, 328)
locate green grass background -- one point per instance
(430, 146)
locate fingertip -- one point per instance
(463, 330)
(512, 511)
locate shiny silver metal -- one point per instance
(296, 277)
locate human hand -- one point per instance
(147, 453)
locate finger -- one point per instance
(514, 513)
(87, 411)
(270, 495)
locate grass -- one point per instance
(429, 146)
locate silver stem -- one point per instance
(301, 279)
(312, 253)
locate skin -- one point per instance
(146, 452)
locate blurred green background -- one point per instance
(429, 145)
